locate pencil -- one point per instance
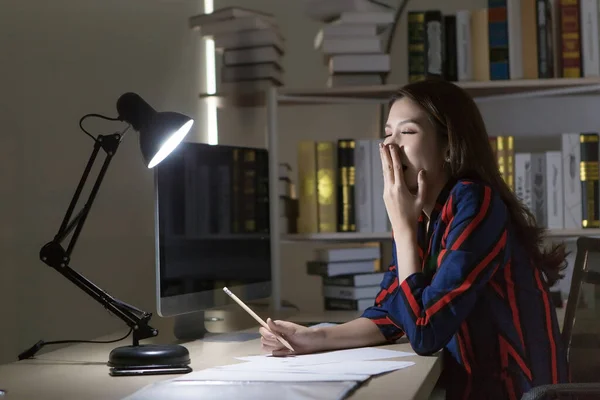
(257, 318)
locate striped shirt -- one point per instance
(478, 297)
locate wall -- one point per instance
(67, 58)
(61, 60)
(538, 120)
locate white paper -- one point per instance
(359, 354)
(224, 375)
(349, 367)
(205, 390)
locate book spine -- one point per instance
(590, 190)
(501, 156)
(450, 50)
(416, 46)
(236, 181)
(590, 46)
(262, 192)
(190, 194)
(554, 190)
(249, 185)
(498, 39)
(544, 37)
(515, 39)
(351, 185)
(346, 182)
(510, 162)
(326, 188)
(480, 47)
(222, 221)
(345, 304)
(463, 45)
(538, 179)
(203, 198)
(529, 41)
(350, 292)
(570, 43)
(363, 195)
(434, 44)
(523, 179)
(571, 153)
(307, 194)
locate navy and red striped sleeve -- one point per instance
(385, 298)
(473, 248)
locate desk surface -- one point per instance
(80, 371)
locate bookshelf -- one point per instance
(274, 97)
(480, 91)
(563, 234)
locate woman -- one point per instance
(469, 275)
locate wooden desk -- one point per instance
(80, 372)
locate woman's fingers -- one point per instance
(396, 165)
(268, 337)
(264, 332)
(269, 346)
(386, 164)
(269, 343)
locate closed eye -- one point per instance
(408, 132)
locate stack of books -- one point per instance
(250, 44)
(351, 275)
(352, 41)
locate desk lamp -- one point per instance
(160, 133)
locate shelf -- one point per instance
(336, 236)
(565, 234)
(572, 233)
(480, 91)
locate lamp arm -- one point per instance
(55, 255)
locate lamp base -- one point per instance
(149, 359)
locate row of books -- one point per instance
(352, 39)
(339, 182)
(208, 190)
(224, 190)
(350, 275)
(554, 185)
(251, 45)
(509, 39)
(561, 188)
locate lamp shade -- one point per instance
(160, 132)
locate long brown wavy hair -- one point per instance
(457, 118)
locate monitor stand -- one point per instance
(232, 318)
(190, 326)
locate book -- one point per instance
(323, 268)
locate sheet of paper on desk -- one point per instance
(224, 375)
(349, 367)
(359, 354)
(206, 390)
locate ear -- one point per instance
(447, 154)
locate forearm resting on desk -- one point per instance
(360, 332)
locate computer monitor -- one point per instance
(212, 227)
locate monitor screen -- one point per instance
(212, 227)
